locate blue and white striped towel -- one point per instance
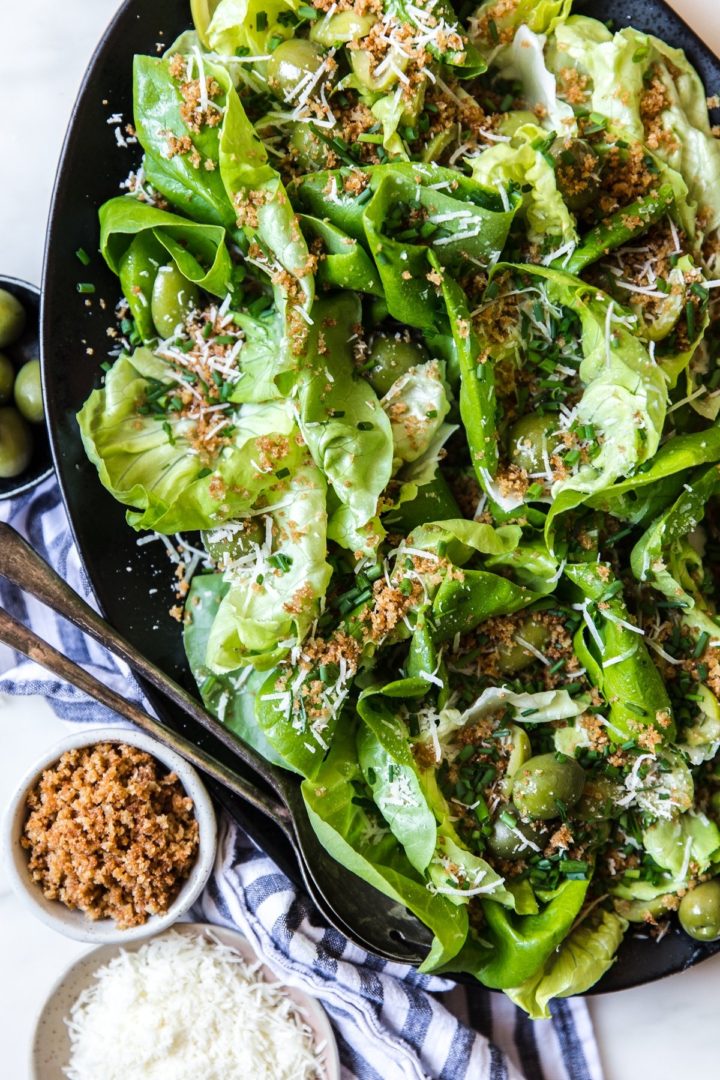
(391, 1022)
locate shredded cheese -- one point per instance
(185, 1007)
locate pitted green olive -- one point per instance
(28, 392)
(310, 151)
(599, 799)
(7, 379)
(513, 656)
(699, 912)
(291, 62)
(173, 298)
(16, 443)
(12, 318)
(341, 27)
(516, 841)
(577, 172)
(544, 785)
(389, 358)
(531, 440)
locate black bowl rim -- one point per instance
(32, 481)
(701, 51)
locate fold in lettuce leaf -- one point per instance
(581, 960)
(495, 23)
(225, 178)
(275, 590)
(666, 558)
(612, 650)
(151, 465)
(475, 224)
(512, 948)
(657, 483)
(414, 808)
(136, 239)
(663, 103)
(524, 60)
(346, 430)
(234, 24)
(230, 697)
(518, 162)
(351, 830)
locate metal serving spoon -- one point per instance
(352, 906)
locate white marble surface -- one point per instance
(663, 1031)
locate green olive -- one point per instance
(389, 358)
(291, 62)
(374, 76)
(543, 785)
(12, 318)
(341, 27)
(577, 168)
(173, 298)
(234, 540)
(7, 378)
(310, 151)
(530, 439)
(514, 842)
(699, 912)
(16, 443)
(599, 799)
(28, 392)
(513, 656)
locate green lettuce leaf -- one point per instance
(690, 837)
(150, 464)
(582, 958)
(346, 430)
(518, 162)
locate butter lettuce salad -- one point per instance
(417, 333)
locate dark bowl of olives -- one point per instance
(25, 457)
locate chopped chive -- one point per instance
(637, 709)
(701, 645)
(261, 20)
(83, 256)
(282, 473)
(85, 287)
(494, 32)
(529, 712)
(508, 819)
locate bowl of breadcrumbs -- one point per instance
(110, 837)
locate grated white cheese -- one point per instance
(184, 1007)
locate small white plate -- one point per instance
(50, 1051)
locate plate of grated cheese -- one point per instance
(195, 1001)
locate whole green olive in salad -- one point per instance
(291, 62)
(311, 152)
(12, 318)
(699, 912)
(173, 298)
(7, 379)
(514, 656)
(16, 443)
(531, 440)
(28, 392)
(515, 841)
(391, 357)
(232, 541)
(544, 785)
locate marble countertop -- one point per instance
(664, 1030)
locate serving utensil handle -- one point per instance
(22, 566)
(26, 641)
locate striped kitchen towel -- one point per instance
(391, 1022)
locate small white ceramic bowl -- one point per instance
(51, 1047)
(75, 924)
